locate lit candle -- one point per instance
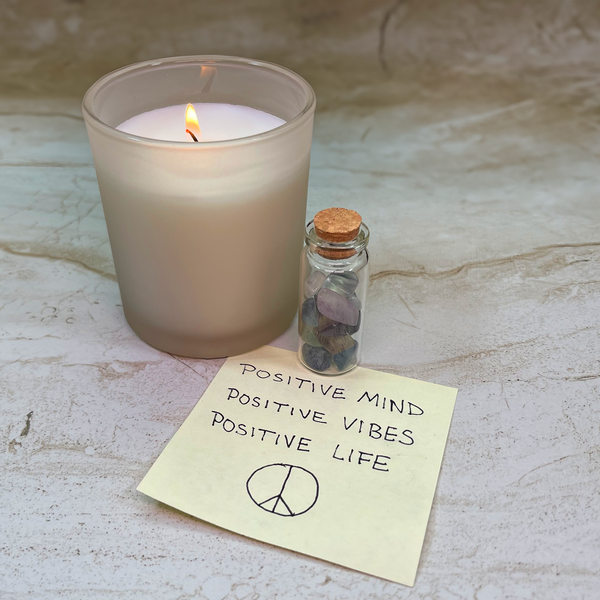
(205, 236)
(217, 122)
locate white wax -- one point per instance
(217, 122)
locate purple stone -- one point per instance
(354, 299)
(313, 283)
(335, 307)
(316, 358)
(310, 316)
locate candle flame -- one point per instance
(191, 122)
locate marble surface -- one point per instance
(467, 135)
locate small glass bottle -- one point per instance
(334, 276)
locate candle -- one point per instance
(217, 122)
(205, 236)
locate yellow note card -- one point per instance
(340, 468)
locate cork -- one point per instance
(337, 224)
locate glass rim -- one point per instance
(91, 117)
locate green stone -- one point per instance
(342, 283)
(309, 335)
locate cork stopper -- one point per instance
(337, 224)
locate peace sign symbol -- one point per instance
(284, 490)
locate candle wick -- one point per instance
(193, 136)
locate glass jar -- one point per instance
(334, 277)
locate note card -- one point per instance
(339, 468)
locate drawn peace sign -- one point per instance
(284, 490)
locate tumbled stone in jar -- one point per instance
(337, 344)
(352, 329)
(310, 315)
(313, 283)
(309, 335)
(330, 328)
(316, 358)
(342, 283)
(335, 307)
(346, 357)
(355, 300)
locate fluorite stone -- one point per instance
(313, 283)
(334, 306)
(346, 357)
(309, 335)
(316, 358)
(342, 283)
(337, 344)
(330, 316)
(310, 315)
(354, 299)
(352, 329)
(330, 328)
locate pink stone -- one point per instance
(336, 307)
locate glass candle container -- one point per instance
(334, 277)
(205, 236)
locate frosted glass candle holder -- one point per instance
(205, 236)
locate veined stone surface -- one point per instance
(467, 135)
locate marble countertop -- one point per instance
(481, 187)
